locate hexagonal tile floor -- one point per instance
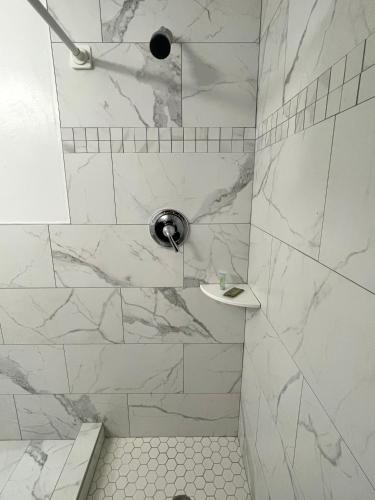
(160, 468)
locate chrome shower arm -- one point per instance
(80, 55)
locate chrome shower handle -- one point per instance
(169, 232)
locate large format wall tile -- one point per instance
(11, 453)
(253, 468)
(61, 316)
(277, 470)
(125, 368)
(112, 256)
(348, 240)
(184, 414)
(189, 20)
(212, 369)
(219, 84)
(32, 369)
(61, 416)
(177, 315)
(327, 322)
(320, 32)
(272, 64)
(38, 471)
(259, 264)
(290, 182)
(213, 248)
(278, 376)
(323, 463)
(79, 18)
(9, 428)
(90, 188)
(269, 8)
(208, 188)
(25, 257)
(128, 87)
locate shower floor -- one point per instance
(159, 468)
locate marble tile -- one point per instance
(128, 88)
(212, 188)
(112, 256)
(9, 428)
(60, 416)
(290, 182)
(269, 8)
(349, 94)
(348, 240)
(279, 378)
(219, 84)
(184, 414)
(250, 396)
(80, 19)
(312, 309)
(27, 254)
(369, 58)
(277, 470)
(90, 188)
(32, 369)
(61, 316)
(212, 369)
(259, 264)
(11, 453)
(207, 21)
(320, 32)
(213, 248)
(125, 368)
(272, 63)
(367, 85)
(78, 462)
(173, 315)
(253, 468)
(38, 471)
(323, 463)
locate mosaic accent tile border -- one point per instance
(158, 140)
(348, 83)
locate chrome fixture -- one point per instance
(160, 43)
(80, 56)
(169, 228)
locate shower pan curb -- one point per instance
(80, 466)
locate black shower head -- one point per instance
(160, 43)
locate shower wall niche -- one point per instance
(97, 321)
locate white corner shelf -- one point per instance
(245, 299)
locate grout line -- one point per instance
(327, 186)
(315, 260)
(53, 263)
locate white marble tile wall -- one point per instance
(97, 322)
(307, 402)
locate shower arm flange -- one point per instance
(80, 56)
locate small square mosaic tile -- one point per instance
(160, 468)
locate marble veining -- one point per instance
(216, 247)
(112, 256)
(178, 315)
(129, 87)
(38, 470)
(61, 316)
(60, 416)
(26, 250)
(219, 84)
(203, 21)
(191, 414)
(32, 369)
(212, 188)
(112, 369)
